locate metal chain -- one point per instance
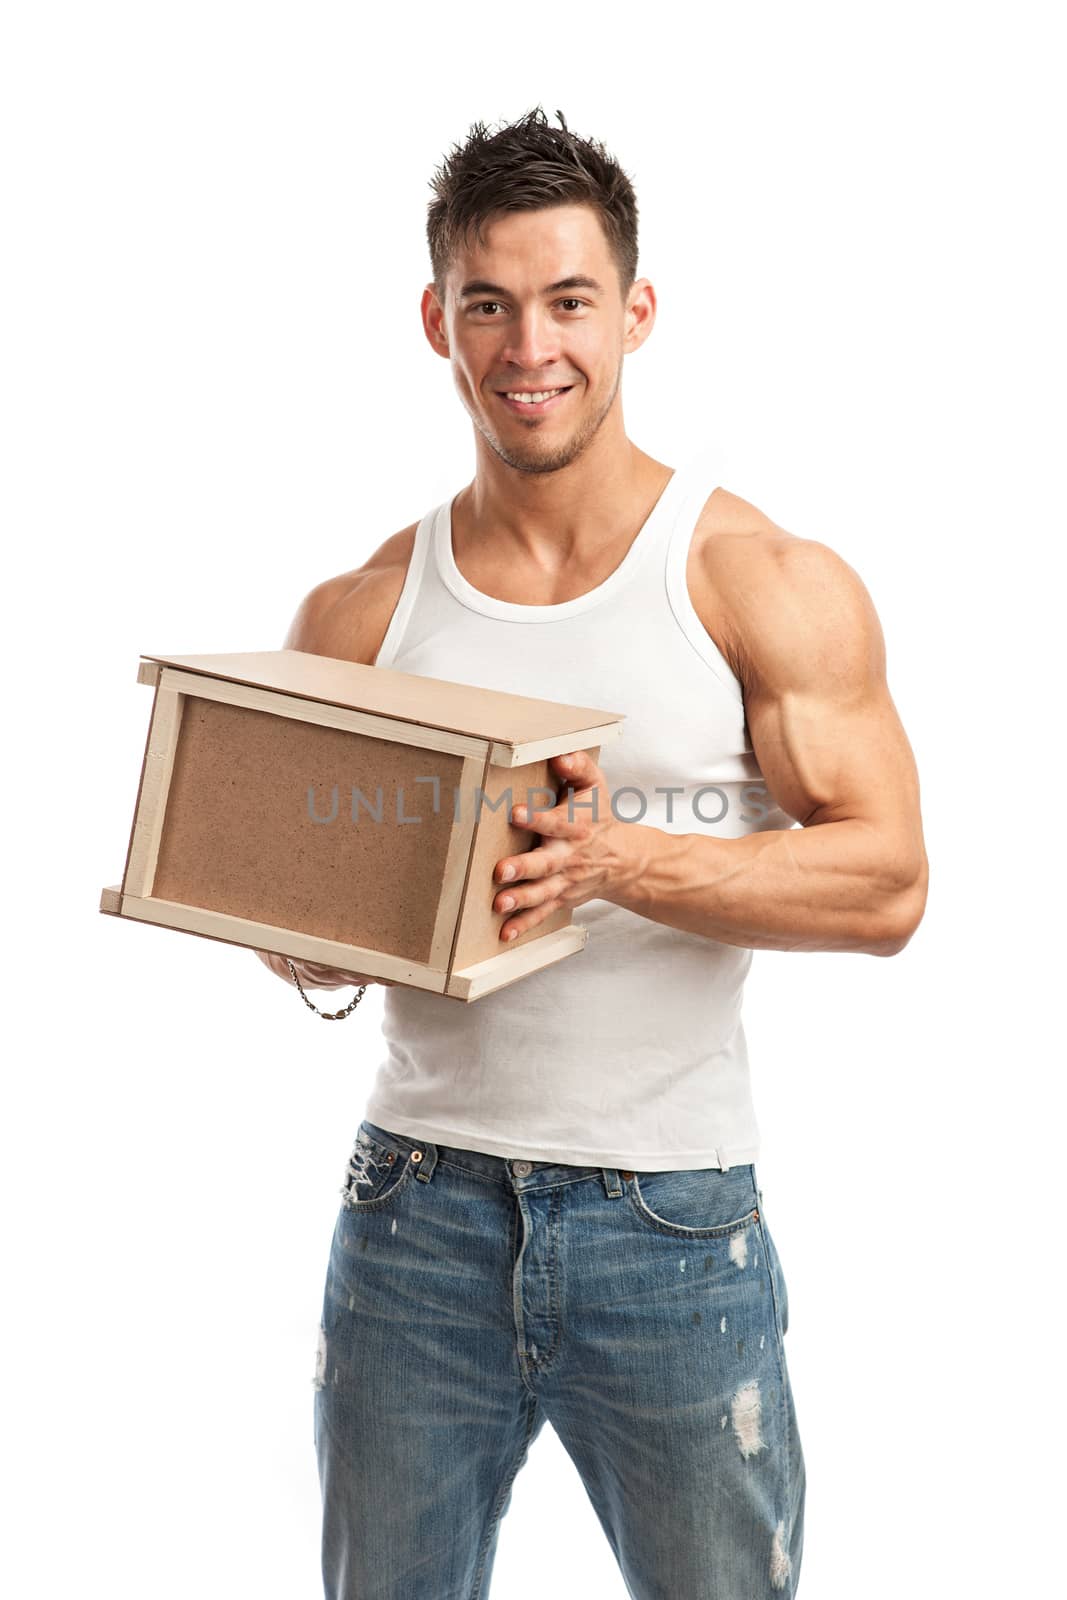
(327, 1016)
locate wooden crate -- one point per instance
(287, 803)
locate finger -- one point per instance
(318, 976)
(337, 974)
(529, 919)
(309, 974)
(563, 821)
(553, 822)
(579, 770)
(531, 864)
(522, 895)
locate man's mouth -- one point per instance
(534, 402)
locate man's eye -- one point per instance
(569, 300)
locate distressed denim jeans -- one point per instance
(470, 1299)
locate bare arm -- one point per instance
(811, 657)
(346, 617)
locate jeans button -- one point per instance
(522, 1169)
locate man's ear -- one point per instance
(640, 314)
(433, 321)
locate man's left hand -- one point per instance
(584, 856)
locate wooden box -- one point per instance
(346, 814)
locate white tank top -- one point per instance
(629, 1053)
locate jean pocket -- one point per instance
(376, 1172)
(779, 1288)
(697, 1203)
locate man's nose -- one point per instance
(533, 343)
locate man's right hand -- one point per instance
(313, 975)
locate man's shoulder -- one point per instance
(732, 530)
(768, 594)
(346, 616)
(747, 574)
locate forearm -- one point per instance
(828, 887)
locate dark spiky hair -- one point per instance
(528, 165)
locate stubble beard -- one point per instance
(554, 458)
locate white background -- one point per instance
(216, 392)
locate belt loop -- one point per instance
(424, 1157)
(611, 1182)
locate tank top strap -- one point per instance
(701, 480)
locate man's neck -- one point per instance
(555, 520)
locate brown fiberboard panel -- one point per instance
(239, 836)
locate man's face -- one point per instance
(513, 322)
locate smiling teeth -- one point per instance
(532, 399)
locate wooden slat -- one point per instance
(460, 708)
(470, 983)
(283, 941)
(457, 864)
(152, 799)
(520, 755)
(327, 716)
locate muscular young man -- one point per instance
(551, 1211)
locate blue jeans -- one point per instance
(469, 1299)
